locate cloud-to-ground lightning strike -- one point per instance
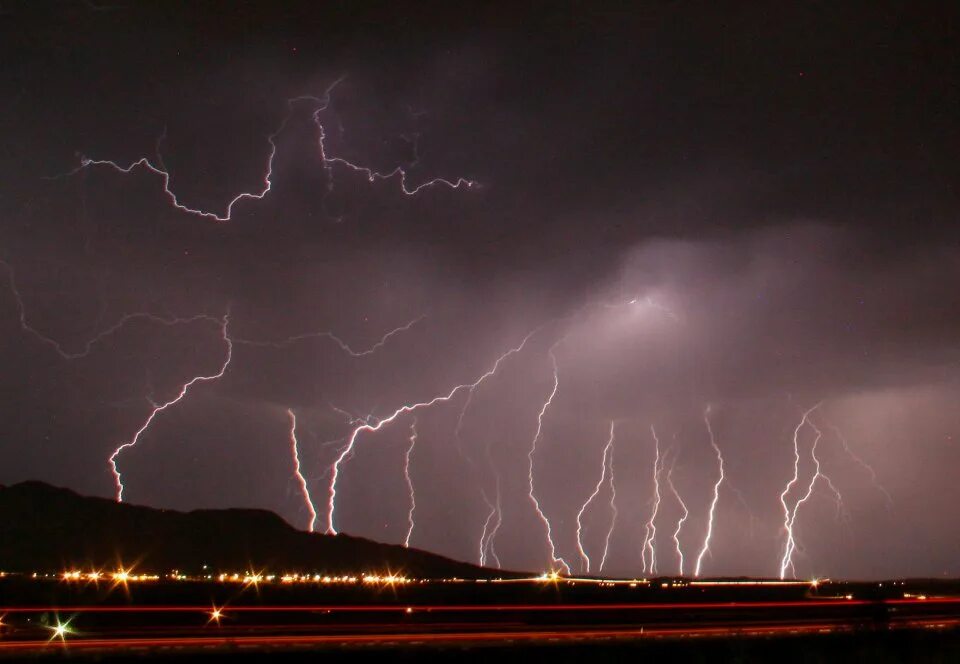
(711, 515)
(301, 480)
(323, 104)
(488, 549)
(863, 464)
(344, 346)
(790, 516)
(533, 450)
(406, 475)
(583, 508)
(613, 499)
(407, 408)
(787, 524)
(650, 528)
(157, 409)
(683, 517)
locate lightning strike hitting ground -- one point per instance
(863, 464)
(613, 501)
(157, 409)
(583, 508)
(650, 528)
(301, 480)
(408, 408)
(323, 104)
(686, 513)
(791, 515)
(533, 449)
(409, 480)
(716, 494)
(344, 346)
(488, 549)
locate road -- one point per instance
(193, 628)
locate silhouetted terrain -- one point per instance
(46, 528)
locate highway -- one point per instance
(199, 628)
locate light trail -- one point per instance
(343, 345)
(583, 508)
(613, 502)
(716, 494)
(409, 480)
(157, 409)
(533, 449)
(407, 408)
(322, 104)
(650, 529)
(863, 464)
(301, 480)
(686, 513)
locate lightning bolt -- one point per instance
(651, 528)
(790, 516)
(863, 464)
(613, 502)
(88, 346)
(344, 346)
(157, 409)
(322, 104)
(533, 449)
(409, 480)
(716, 493)
(407, 408)
(583, 508)
(686, 513)
(301, 480)
(488, 550)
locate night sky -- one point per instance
(704, 214)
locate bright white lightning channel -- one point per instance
(533, 449)
(406, 474)
(613, 502)
(607, 450)
(790, 516)
(683, 517)
(650, 529)
(716, 494)
(157, 409)
(323, 104)
(408, 408)
(301, 480)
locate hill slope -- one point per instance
(44, 528)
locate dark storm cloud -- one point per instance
(751, 209)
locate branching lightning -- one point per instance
(863, 464)
(613, 500)
(790, 515)
(650, 528)
(409, 480)
(554, 560)
(322, 104)
(343, 345)
(157, 409)
(686, 513)
(716, 494)
(301, 480)
(583, 508)
(408, 408)
(88, 346)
